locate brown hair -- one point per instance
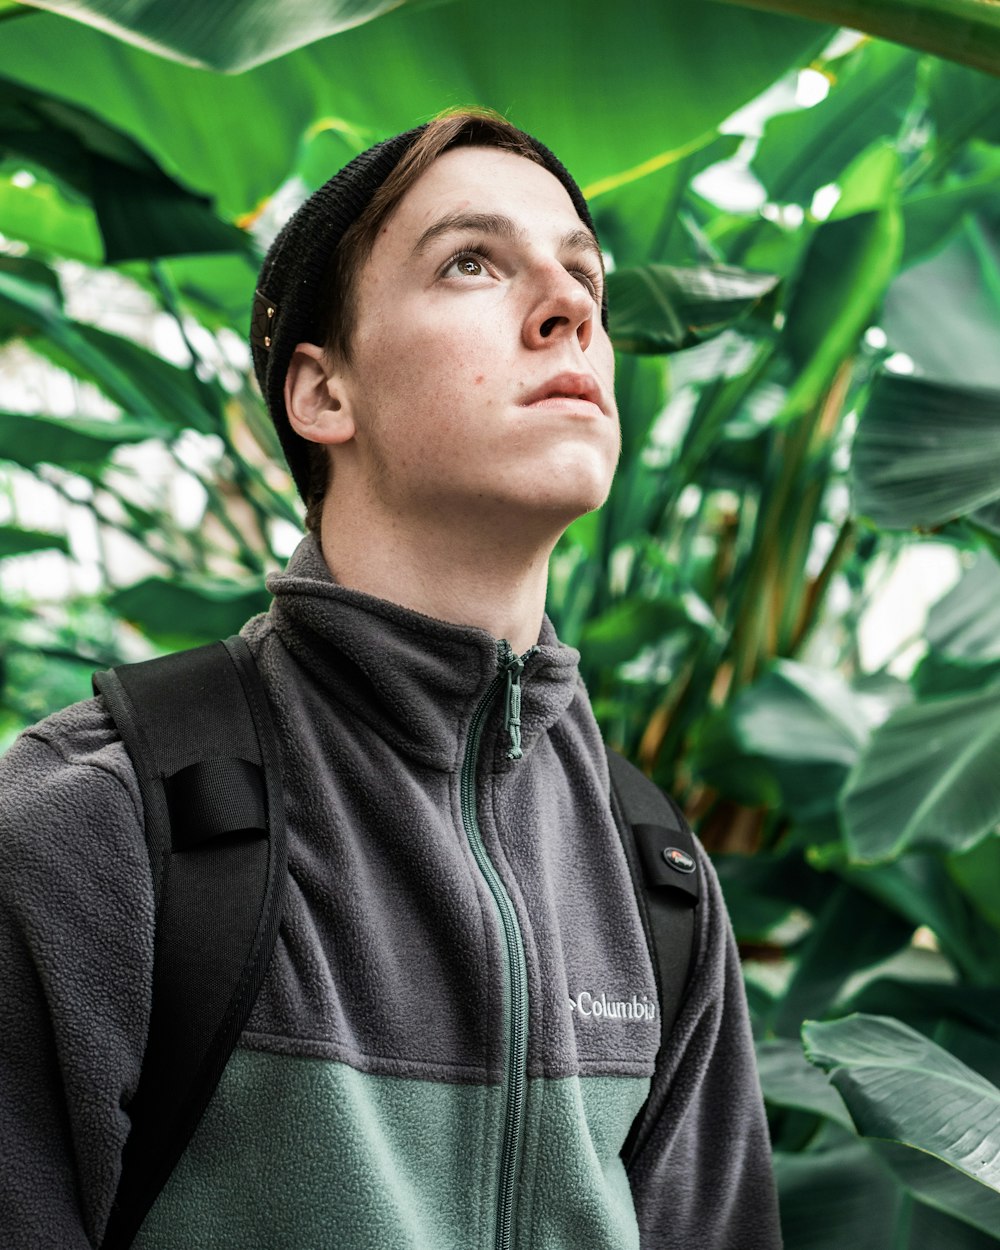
(462, 128)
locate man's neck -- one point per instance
(453, 574)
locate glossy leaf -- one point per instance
(672, 71)
(788, 1080)
(965, 623)
(925, 452)
(805, 150)
(140, 211)
(929, 776)
(178, 613)
(660, 308)
(834, 1198)
(230, 35)
(978, 874)
(30, 440)
(899, 1086)
(15, 541)
(962, 30)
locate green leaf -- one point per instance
(870, 93)
(846, 272)
(15, 541)
(67, 441)
(962, 30)
(944, 313)
(788, 1080)
(42, 217)
(925, 452)
(834, 1198)
(695, 71)
(929, 777)
(179, 613)
(942, 1188)
(230, 35)
(901, 1087)
(145, 385)
(931, 216)
(977, 872)
(623, 630)
(851, 933)
(141, 211)
(965, 623)
(659, 308)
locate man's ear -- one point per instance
(316, 399)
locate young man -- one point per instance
(459, 1023)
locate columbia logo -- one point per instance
(600, 1007)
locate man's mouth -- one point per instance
(568, 386)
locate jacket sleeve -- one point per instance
(704, 1176)
(75, 976)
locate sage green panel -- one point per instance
(575, 1193)
(308, 1154)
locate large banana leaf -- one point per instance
(141, 212)
(181, 613)
(660, 308)
(929, 776)
(926, 452)
(225, 34)
(962, 30)
(965, 623)
(638, 85)
(901, 1087)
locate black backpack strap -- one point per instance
(660, 850)
(198, 730)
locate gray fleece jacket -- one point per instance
(459, 1023)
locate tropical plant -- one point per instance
(810, 393)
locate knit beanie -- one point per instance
(291, 302)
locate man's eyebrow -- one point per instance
(481, 223)
(503, 227)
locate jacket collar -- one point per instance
(415, 680)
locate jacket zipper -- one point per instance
(516, 995)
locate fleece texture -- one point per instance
(364, 1107)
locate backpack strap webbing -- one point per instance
(660, 850)
(198, 730)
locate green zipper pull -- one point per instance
(513, 665)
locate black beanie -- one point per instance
(289, 307)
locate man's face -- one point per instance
(481, 378)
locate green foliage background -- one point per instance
(773, 465)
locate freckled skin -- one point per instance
(441, 361)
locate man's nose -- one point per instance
(563, 307)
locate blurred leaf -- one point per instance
(966, 622)
(929, 776)
(962, 30)
(844, 277)
(623, 630)
(834, 1198)
(67, 441)
(942, 1187)
(964, 104)
(977, 871)
(673, 71)
(178, 613)
(925, 452)
(788, 1080)
(930, 216)
(42, 217)
(922, 1004)
(659, 308)
(850, 934)
(15, 541)
(900, 1086)
(141, 211)
(869, 95)
(143, 384)
(229, 35)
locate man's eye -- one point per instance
(466, 265)
(590, 281)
